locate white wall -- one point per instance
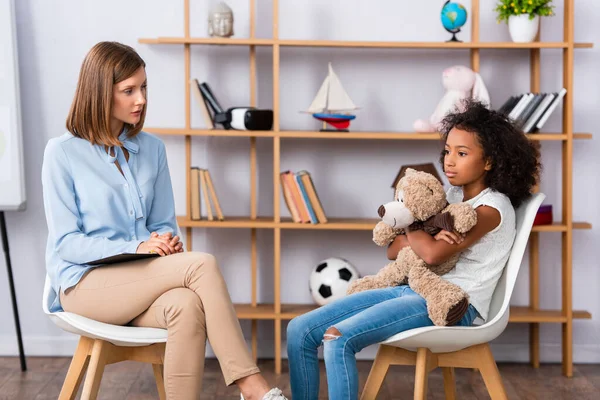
(392, 87)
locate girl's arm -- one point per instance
(435, 252)
(397, 244)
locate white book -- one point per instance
(551, 108)
(528, 127)
(520, 105)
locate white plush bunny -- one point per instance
(460, 83)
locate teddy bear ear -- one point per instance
(410, 171)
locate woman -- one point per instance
(107, 191)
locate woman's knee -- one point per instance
(182, 305)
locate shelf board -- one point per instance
(338, 135)
(260, 311)
(429, 45)
(527, 314)
(409, 135)
(210, 41)
(368, 44)
(518, 314)
(229, 222)
(349, 224)
(209, 132)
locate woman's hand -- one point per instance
(450, 237)
(163, 245)
(174, 241)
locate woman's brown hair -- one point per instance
(106, 64)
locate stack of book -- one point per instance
(301, 197)
(201, 186)
(530, 111)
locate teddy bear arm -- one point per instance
(464, 215)
(383, 234)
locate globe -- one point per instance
(454, 16)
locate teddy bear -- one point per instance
(420, 203)
(460, 83)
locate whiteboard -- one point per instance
(12, 177)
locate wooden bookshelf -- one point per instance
(533, 314)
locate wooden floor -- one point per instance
(135, 381)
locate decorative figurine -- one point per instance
(220, 21)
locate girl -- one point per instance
(107, 190)
(491, 165)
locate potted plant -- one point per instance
(523, 17)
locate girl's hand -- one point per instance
(450, 237)
(174, 241)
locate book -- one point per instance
(123, 257)
(195, 213)
(213, 195)
(313, 196)
(208, 120)
(288, 198)
(204, 190)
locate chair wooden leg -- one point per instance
(378, 372)
(93, 377)
(449, 383)
(424, 364)
(160, 380)
(489, 372)
(77, 369)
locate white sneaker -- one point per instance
(273, 394)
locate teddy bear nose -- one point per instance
(381, 211)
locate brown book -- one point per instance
(287, 196)
(297, 196)
(311, 191)
(213, 195)
(195, 194)
(205, 195)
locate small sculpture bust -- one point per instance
(220, 21)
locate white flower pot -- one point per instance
(522, 29)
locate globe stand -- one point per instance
(453, 39)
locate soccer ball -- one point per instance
(330, 279)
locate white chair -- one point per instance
(101, 344)
(462, 347)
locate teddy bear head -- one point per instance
(419, 196)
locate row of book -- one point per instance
(201, 186)
(301, 197)
(530, 111)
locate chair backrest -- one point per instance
(525, 216)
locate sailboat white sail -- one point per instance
(331, 96)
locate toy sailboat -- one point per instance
(332, 104)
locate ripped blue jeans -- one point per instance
(362, 319)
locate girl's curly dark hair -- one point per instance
(515, 159)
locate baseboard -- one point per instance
(64, 346)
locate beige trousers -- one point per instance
(184, 293)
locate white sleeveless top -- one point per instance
(480, 266)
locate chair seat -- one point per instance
(127, 336)
(446, 339)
